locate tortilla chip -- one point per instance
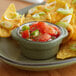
(4, 32)
(22, 20)
(65, 51)
(74, 34)
(68, 1)
(13, 17)
(70, 31)
(11, 8)
(59, 3)
(48, 1)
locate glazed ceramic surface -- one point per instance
(39, 50)
(10, 52)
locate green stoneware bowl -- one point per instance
(39, 50)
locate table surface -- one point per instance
(6, 70)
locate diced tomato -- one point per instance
(25, 34)
(42, 27)
(43, 37)
(33, 27)
(41, 24)
(33, 39)
(57, 29)
(51, 31)
(45, 28)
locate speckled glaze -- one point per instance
(39, 50)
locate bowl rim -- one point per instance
(52, 41)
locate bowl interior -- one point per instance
(30, 23)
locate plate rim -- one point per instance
(71, 60)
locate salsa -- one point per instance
(40, 31)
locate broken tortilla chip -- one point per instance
(59, 3)
(74, 34)
(67, 50)
(70, 31)
(17, 22)
(4, 32)
(12, 17)
(22, 20)
(11, 8)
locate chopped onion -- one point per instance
(47, 10)
(36, 15)
(67, 19)
(42, 13)
(15, 15)
(32, 10)
(62, 24)
(6, 24)
(65, 11)
(66, 6)
(7, 18)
